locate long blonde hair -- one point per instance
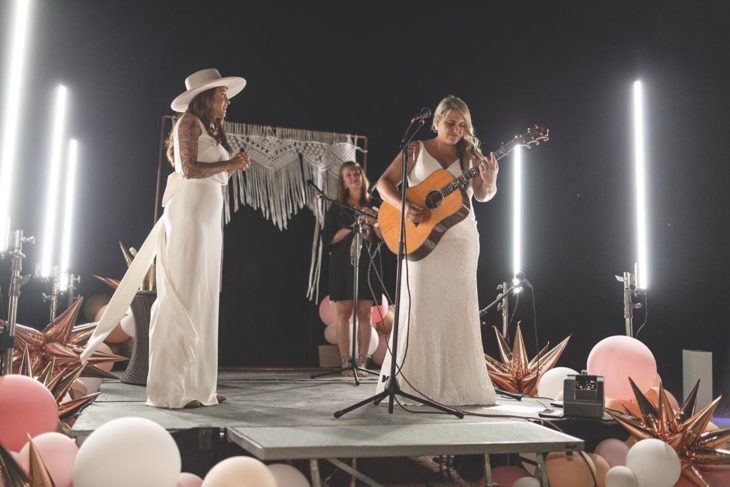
(202, 107)
(343, 193)
(469, 147)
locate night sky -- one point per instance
(360, 68)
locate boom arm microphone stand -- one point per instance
(392, 388)
(358, 232)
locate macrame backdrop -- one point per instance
(282, 161)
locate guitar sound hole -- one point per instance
(433, 200)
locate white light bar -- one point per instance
(68, 208)
(642, 272)
(54, 171)
(517, 214)
(16, 61)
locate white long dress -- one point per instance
(440, 350)
(183, 361)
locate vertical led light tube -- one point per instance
(517, 214)
(642, 271)
(68, 209)
(11, 118)
(55, 161)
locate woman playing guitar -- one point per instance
(441, 357)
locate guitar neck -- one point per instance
(463, 180)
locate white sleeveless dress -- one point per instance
(183, 361)
(441, 356)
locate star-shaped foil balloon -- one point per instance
(515, 372)
(13, 475)
(682, 429)
(61, 343)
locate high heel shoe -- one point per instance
(362, 362)
(346, 365)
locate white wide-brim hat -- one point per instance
(203, 80)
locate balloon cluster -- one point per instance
(381, 319)
(123, 452)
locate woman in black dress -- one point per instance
(338, 235)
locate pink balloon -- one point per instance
(58, 453)
(684, 482)
(328, 311)
(26, 408)
(613, 451)
(330, 335)
(619, 357)
(507, 475)
(378, 312)
(379, 354)
(189, 480)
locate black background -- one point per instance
(366, 67)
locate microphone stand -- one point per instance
(358, 232)
(392, 388)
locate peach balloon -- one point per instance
(240, 472)
(26, 408)
(569, 470)
(117, 335)
(602, 468)
(58, 453)
(105, 366)
(618, 358)
(328, 311)
(613, 450)
(330, 335)
(189, 480)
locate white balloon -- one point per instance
(239, 472)
(288, 476)
(527, 482)
(128, 451)
(654, 463)
(128, 324)
(551, 382)
(620, 476)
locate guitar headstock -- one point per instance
(533, 136)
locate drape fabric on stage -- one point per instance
(283, 160)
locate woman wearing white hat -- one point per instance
(187, 241)
(183, 367)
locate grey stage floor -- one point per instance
(270, 398)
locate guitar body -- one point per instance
(445, 212)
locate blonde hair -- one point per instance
(469, 147)
(343, 193)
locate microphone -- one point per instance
(522, 280)
(422, 115)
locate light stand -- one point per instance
(7, 335)
(632, 299)
(503, 307)
(392, 388)
(502, 300)
(53, 298)
(73, 283)
(355, 252)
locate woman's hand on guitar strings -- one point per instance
(415, 213)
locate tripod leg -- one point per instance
(377, 397)
(432, 404)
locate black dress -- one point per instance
(340, 270)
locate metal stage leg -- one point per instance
(314, 473)
(541, 468)
(487, 471)
(358, 475)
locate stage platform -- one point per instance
(286, 415)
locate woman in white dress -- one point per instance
(183, 361)
(440, 353)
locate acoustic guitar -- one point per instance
(446, 198)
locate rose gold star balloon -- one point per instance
(60, 342)
(515, 372)
(11, 474)
(682, 429)
(37, 471)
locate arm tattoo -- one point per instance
(188, 132)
